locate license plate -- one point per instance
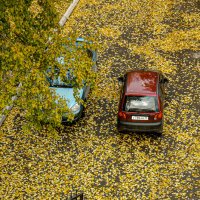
(139, 118)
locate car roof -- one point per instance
(140, 82)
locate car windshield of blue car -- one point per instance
(141, 104)
(55, 79)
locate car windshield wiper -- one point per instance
(141, 110)
(149, 110)
(62, 86)
(135, 110)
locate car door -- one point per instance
(162, 85)
(86, 92)
(122, 85)
(93, 56)
(94, 59)
(161, 90)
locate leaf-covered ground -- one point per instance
(91, 155)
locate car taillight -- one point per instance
(158, 116)
(122, 115)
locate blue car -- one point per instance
(66, 90)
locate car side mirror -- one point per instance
(166, 104)
(120, 79)
(165, 80)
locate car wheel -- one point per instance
(120, 131)
(83, 113)
(159, 133)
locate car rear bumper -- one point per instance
(140, 126)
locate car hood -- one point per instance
(68, 94)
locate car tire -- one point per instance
(120, 131)
(159, 133)
(83, 113)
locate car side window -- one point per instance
(90, 54)
(161, 78)
(160, 93)
(124, 86)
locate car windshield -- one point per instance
(53, 76)
(141, 103)
(56, 81)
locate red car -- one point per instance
(142, 101)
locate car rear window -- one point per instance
(141, 103)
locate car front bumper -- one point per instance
(140, 126)
(76, 116)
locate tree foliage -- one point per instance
(92, 156)
(30, 43)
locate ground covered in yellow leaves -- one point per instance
(91, 155)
